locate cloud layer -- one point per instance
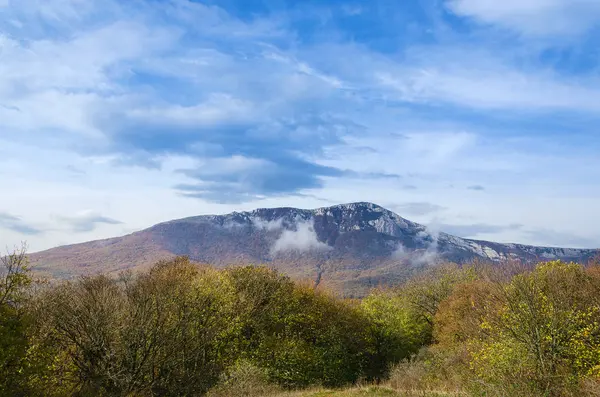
(141, 113)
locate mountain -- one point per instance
(350, 247)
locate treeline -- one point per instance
(177, 330)
(183, 330)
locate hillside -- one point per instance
(351, 247)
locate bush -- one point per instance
(403, 318)
(399, 330)
(459, 317)
(545, 334)
(300, 336)
(169, 331)
(178, 329)
(244, 379)
(431, 369)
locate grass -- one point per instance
(370, 391)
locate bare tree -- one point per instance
(14, 276)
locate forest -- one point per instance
(181, 329)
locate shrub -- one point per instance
(244, 379)
(399, 330)
(459, 316)
(432, 368)
(168, 331)
(300, 336)
(545, 335)
(403, 317)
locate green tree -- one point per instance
(400, 330)
(300, 336)
(404, 316)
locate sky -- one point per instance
(476, 117)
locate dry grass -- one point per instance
(368, 391)
(407, 380)
(245, 380)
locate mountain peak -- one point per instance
(355, 245)
(359, 204)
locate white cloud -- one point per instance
(304, 238)
(400, 253)
(52, 110)
(485, 83)
(414, 152)
(418, 208)
(217, 109)
(352, 9)
(217, 22)
(532, 17)
(268, 225)
(215, 168)
(305, 68)
(57, 14)
(435, 149)
(423, 256)
(80, 63)
(62, 85)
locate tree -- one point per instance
(168, 331)
(299, 335)
(459, 316)
(405, 315)
(400, 330)
(426, 291)
(550, 319)
(14, 284)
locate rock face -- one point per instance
(350, 247)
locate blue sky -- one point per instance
(476, 117)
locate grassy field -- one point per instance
(370, 391)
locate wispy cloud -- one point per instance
(473, 230)
(486, 82)
(478, 188)
(85, 221)
(532, 17)
(562, 239)
(18, 225)
(417, 208)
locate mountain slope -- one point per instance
(351, 246)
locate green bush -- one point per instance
(398, 328)
(300, 336)
(403, 317)
(244, 379)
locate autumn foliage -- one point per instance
(184, 330)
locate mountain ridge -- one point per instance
(352, 246)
